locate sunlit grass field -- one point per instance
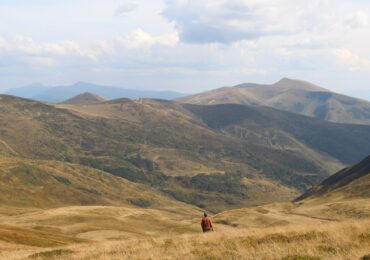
(343, 240)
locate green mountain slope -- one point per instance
(195, 158)
(245, 122)
(343, 195)
(50, 184)
(349, 182)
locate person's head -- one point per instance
(205, 215)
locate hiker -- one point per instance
(206, 223)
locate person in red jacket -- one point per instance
(206, 223)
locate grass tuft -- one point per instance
(51, 254)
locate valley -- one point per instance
(335, 226)
(93, 178)
(184, 130)
(259, 155)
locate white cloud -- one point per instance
(142, 39)
(27, 50)
(358, 19)
(228, 21)
(352, 60)
(197, 43)
(26, 46)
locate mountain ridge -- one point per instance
(194, 154)
(295, 96)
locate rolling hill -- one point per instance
(290, 95)
(84, 99)
(57, 94)
(215, 157)
(28, 183)
(119, 219)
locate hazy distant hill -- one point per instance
(290, 95)
(85, 98)
(61, 93)
(217, 157)
(29, 91)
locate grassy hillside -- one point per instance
(350, 182)
(290, 95)
(347, 143)
(50, 184)
(174, 148)
(85, 98)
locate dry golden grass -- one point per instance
(50, 184)
(276, 231)
(344, 240)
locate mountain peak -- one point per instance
(298, 84)
(285, 79)
(85, 98)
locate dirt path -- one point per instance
(8, 147)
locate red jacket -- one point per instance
(206, 224)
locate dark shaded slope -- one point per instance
(348, 143)
(343, 179)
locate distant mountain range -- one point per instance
(61, 93)
(290, 95)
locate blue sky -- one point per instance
(185, 45)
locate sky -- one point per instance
(185, 45)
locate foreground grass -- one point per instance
(341, 240)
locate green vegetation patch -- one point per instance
(365, 237)
(328, 249)
(62, 180)
(142, 203)
(290, 238)
(52, 253)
